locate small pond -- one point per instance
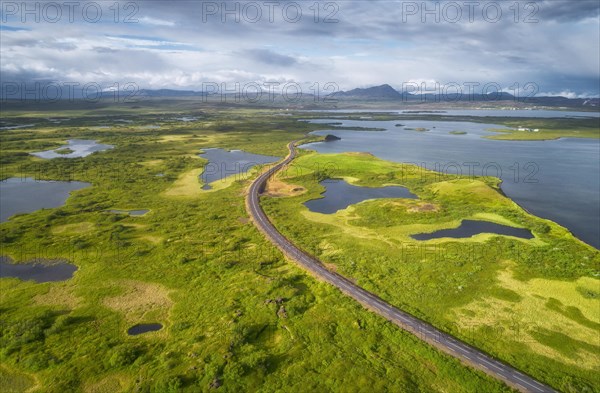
(25, 195)
(339, 195)
(470, 228)
(144, 328)
(38, 270)
(76, 148)
(223, 163)
(14, 127)
(186, 118)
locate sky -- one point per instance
(544, 47)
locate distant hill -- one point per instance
(382, 92)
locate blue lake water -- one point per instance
(469, 228)
(25, 195)
(474, 112)
(80, 147)
(38, 271)
(339, 195)
(558, 180)
(223, 163)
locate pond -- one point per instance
(469, 228)
(25, 195)
(558, 179)
(223, 163)
(76, 148)
(186, 118)
(339, 195)
(144, 328)
(15, 127)
(38, 270)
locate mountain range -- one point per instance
(382, 94)
(388, 93)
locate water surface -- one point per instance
(80, 147)
(339, 195)
(186, 118)
(144, 328)
(25, 195)
(223, 163)
(540, 113)
(557, 179)
(37, 270)
(469, 228)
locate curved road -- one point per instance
(426, 332)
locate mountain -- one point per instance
(383, 92)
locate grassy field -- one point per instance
(534, 303)
(235, 313)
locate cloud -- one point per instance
(267, 56)
(566, 10)
(176, 44)
(155, 21)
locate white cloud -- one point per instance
(156, 22)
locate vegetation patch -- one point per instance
(278, 188)
(60, 295)
(64, 151)
(111, 383)
(73, 229)
(12, 381)
(141, 301)
(541, 314)
(188, 185)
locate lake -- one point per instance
(223, 163)
(539, 113)
(144, 328)
(470, 228)
(25, 195)
(37, 270)
(339, 195)
(558, 179)
(80, 147)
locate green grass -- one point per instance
(64, 151)
(13, 381)
(489, 290)
(194, 264)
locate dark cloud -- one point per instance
(267, 56)
(567, 10)
(104, 49)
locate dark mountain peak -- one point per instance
(384, 91)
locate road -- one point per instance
(464, 352)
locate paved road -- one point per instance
(442, 341)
